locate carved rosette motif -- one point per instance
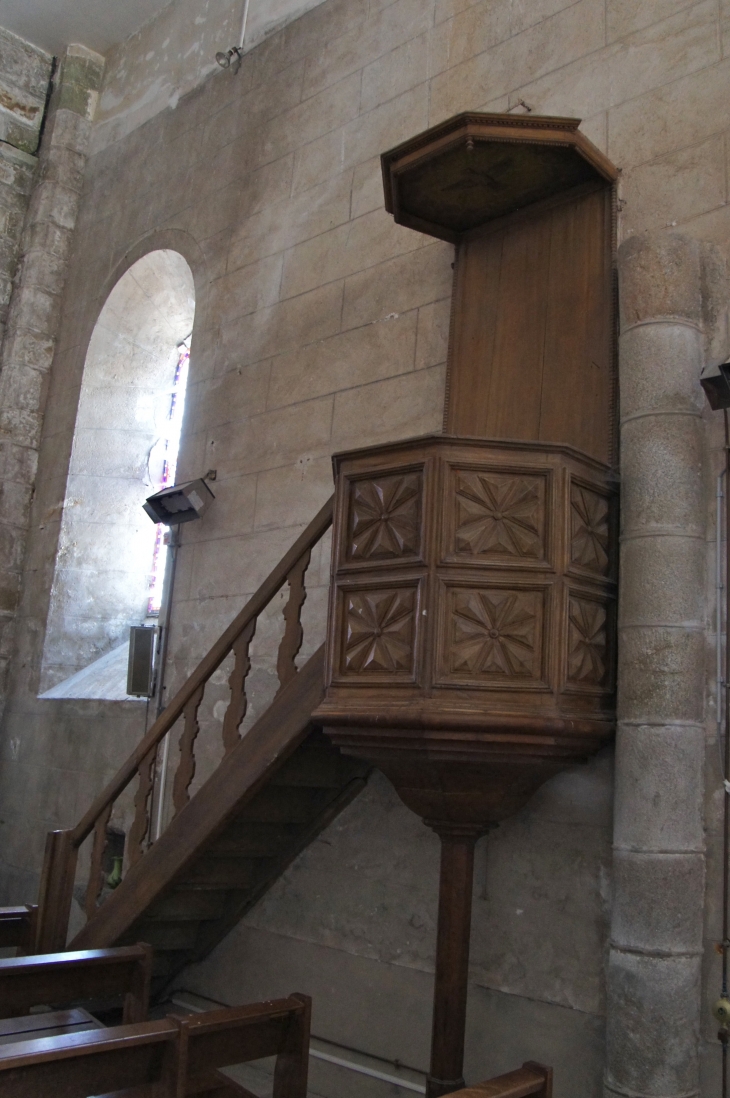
(495, 633)
(474, 591)
(499, 516)
(385, 518)
(380, 630)
(589, 529)
(587, 642)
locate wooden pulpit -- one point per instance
(471, 636)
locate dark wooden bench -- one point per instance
(531, 1078)
(48, 1023)
(18, 927)
(55, 979)
(171, 1058)
(236, 1035)
(77, 1065)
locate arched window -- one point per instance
(110, 557)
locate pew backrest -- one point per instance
(76, 1065)
(236, 1035)
(18, 927)
(171, 1058)
(63, 978)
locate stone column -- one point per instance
(653, 1005)
(34, 315)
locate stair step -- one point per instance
(319, 767)
(215, 873)
(181, 905)
(280, 804)
(168, 936)
(247, 838)
(165, 963)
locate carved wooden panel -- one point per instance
(499, 516)
(379, 631)
(384, 520)
(505, 619)
(494, 634)
(589, 531)
(587, 642)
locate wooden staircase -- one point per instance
(277, 787)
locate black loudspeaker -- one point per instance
(140, 669)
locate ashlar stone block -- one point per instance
(361, 243)
(346, 360)
(661, 580)
(659, 787)
(394, 73)
(665, 992)
(658, 901)
(659, 368)
(556, 41)
(660, 277)
(662, 465)
(674, 188)
(403, 283)
(660, 674)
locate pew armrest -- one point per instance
(530, 1079)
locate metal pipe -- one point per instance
(361, 1069)
(173, 547)
(719, 586)
(726, 775)
(243, 23)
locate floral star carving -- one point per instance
(385, 517)
(498, 516)
(589, 532)
(586, 642)
(380, 630)
(494, 633)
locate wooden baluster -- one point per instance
(238, 704)
(186, 769)
(96, 877)
(291, 642)
(56, 892)
(140, 827)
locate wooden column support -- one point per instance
(452, 957)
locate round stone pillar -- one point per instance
(653, 992)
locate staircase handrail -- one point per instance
(207, 667)
(62, 846)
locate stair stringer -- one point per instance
(261, 754)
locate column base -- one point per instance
(435, 1088)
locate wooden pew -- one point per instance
(531, 1078)
(171, 1058)
(18, 927)
(62, 978)
(76, 1065)
(236, 1035)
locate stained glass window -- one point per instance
(163, 466)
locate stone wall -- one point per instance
(321, 325)
(24, 77)
(33, 317)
